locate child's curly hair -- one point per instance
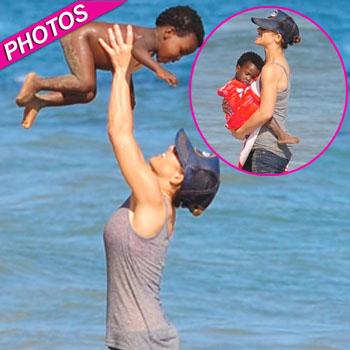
(184, 19)
(252, 57)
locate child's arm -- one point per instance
(226, 108)
(142, 53)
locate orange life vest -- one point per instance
(242, 100)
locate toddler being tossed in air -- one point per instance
(178, 32)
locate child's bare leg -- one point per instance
(56, 98)
(282, 136)
(27, 91)
(33, 107)
(65, 84)
(80, 59)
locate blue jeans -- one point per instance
(261, 161)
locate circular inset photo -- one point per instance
(268, 91)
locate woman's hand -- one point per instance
(238, 134)
(119, 51)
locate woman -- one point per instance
(137, 235)
(275, 33)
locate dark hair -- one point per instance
(251, 57)
(184, 19)
(296, 40)
(178, 201)
(197, 199)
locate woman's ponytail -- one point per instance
(296, 39)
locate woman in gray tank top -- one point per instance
(275, 33)
(137, 235)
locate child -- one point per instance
(244, 99)
(178, 32)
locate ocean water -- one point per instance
(266, 267)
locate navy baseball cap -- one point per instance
(201, 175)
(281, 23)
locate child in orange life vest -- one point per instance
(243, 97)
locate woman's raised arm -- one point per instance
(134, 168)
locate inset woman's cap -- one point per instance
(201, 174)
(281, 23)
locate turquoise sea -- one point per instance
(267, 267)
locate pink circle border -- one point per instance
(340, 59)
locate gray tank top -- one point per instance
(135, 318)
(266, 139)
